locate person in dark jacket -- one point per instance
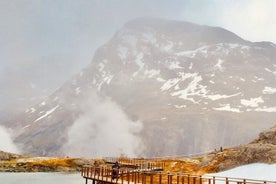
(115, 170)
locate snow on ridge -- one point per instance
(190, 66)
(180, 106)
(266, 109)
(159, 79)
(27, 126)
(192, 53)
(253, 102)
(170, 83)
(42, 103)
(31, 110)
(175, 65)
(227, 107)
(193, 88)
(151, 73)
(218, 65)
(139, 63)
(236, 45)
(217, 96)
(269, 90)
(47, 113)
(106, 79)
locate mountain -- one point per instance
(36, 78)
(158, 88)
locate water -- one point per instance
(41, 178)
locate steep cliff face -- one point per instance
(192, 88)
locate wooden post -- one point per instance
(226, 181)
(244, 181)
(144, 178)
(128, 177)
(160, 178)
(194, 180)
(188, 179)
(209, 181)
(200, 179)
(121, 177)
(169, 179)
(177, 178)
(151, 179)
(214, 180)
(135, 176)
(183, 179)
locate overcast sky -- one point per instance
(72, 29)
(41, 38)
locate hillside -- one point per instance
(157, 88)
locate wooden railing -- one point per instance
(139, 163)
(149, 176)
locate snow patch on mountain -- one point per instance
(267, 109)
(227, 107)
(253, 102)
(269, 90)
(152, 73)
(139, 62)
(175, 65)
(218, 97)
(194, 88)
(47, 113)
(218, 65)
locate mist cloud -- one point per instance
(103, 129)
(6, 143)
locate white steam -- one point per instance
(103, 129)
(6, 143)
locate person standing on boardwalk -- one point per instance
(115, 170)
(97, 167)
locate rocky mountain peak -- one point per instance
(192, 35)
(191, 88)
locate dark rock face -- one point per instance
(192, 87)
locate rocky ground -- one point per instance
(261, 150)
(16, 163)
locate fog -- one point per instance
(44, 43)
(6, 143)
(102, 130)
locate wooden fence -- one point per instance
(150, 176)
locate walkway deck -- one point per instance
(153, 175)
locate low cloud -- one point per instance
(6, 143)
(103, 129)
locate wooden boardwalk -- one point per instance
(148, 173)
